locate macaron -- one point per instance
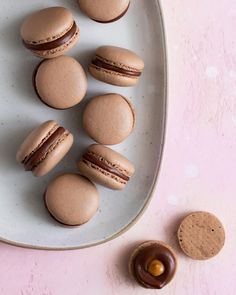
(60, 82)
(49, 32)
(116, 66)
(109, 119)
(44, 148)
(106, 167)
(201, 235)
(71, 199)
(104, 11)
(153, 264)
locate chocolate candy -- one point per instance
(153, 264)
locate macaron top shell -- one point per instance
(120, 57)
(104, 10)
(72, 199)
(35, 138)
(60, 82)
(46, 25)
(109, 119)
(113, 157)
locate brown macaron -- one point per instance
(44, 148)
(116, 66)
(106, 167)
(201, 235)
(72, 199)
(109, 119)
(104, 11)
(153, 264)
(49, 32)
(60, 82)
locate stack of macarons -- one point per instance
(60, 82)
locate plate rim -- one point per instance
(156, 175)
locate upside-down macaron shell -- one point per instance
(104, 11)
(60, 82)
(109, 118)
(98, 174)
(49, 25)
(128, 66)
(72, 199)
(36, 139)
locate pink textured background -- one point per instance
(198, 172)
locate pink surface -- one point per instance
(198, 173)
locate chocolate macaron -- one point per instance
(104, 11)
(44, 148)
(116, 66)
(109, 118)
(106, 167)
(153, 264)
(49, 32)
(71, 199)
(60, 82)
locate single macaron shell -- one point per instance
(106, 167)
(109, 119)
(72, 199)
(144, 255)
(116, 66)
(44, 148)
(104, 11)
(49, 32)
(201, 235)
(60, 82)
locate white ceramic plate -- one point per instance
(23, 219)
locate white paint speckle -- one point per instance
(233, 119)
(211, 72)
(195, 58)
(172, 200)
(232, 75)
(191, 171)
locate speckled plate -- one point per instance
(23, 219)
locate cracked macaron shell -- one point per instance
(121, 58)
(109, 119)
(36, 139)
(104, 11)
(49, 25)
(101, 176)
(72, 199)
(61, 82)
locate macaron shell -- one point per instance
(54, 156)
(109, 119)
(112, 77)
(104, 10)
(120, 57)
(101, 176)
(72, 199)
(139, 248)
(113, 157)
(60, 50)
(46, 25)
(35, 137)
(61, 82)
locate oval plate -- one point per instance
(24, 220)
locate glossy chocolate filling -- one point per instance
(41, 153)
(102, 64)
(104, 165)
(53, 44)
(114, 19)
(148, 254)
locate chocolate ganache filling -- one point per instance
(102, 64)
(90, 157)
(53, 44)
(42, 152)
(145, 256)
